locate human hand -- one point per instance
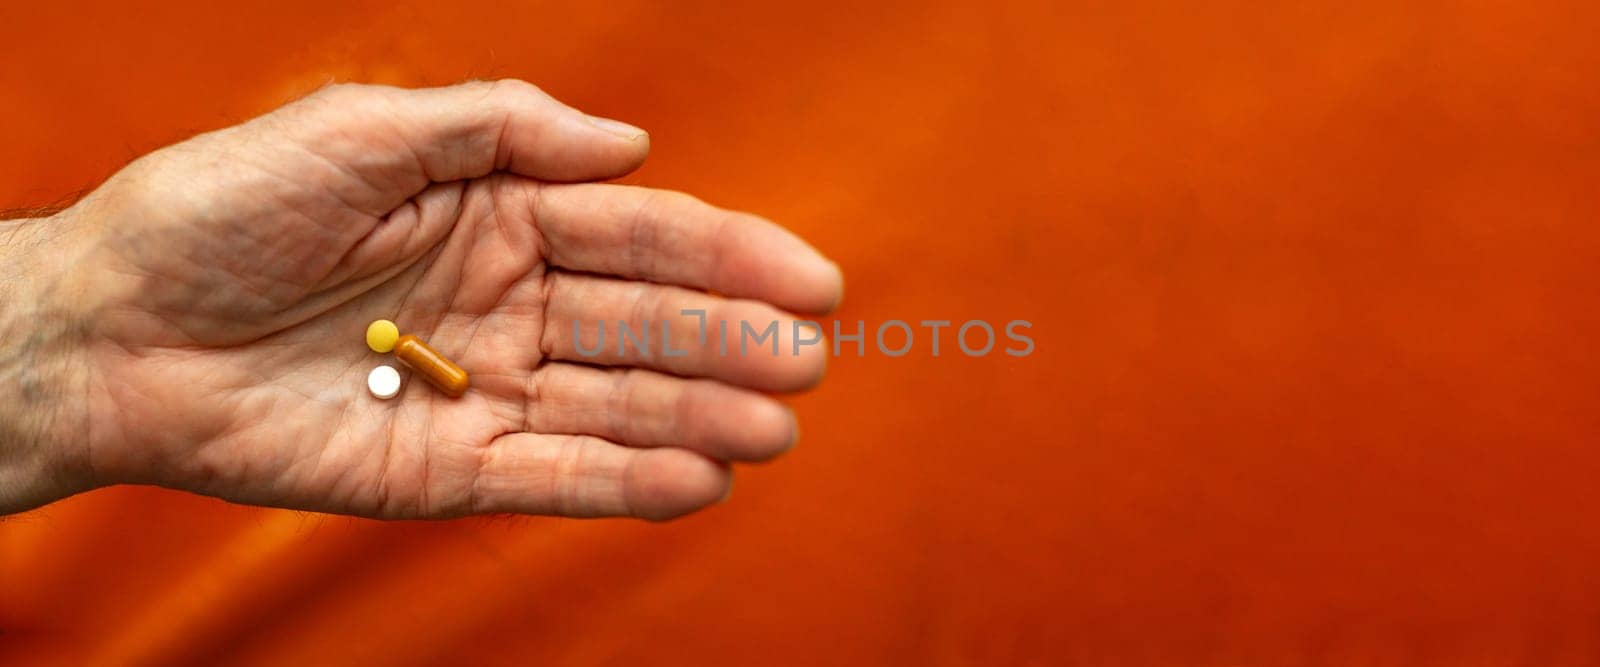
(197, 321)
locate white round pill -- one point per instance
(384, 382)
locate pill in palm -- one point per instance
(384, 382)
(435, 367)
(381, 336)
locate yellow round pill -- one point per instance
(381, 336)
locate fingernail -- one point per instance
(727, 494)
(794, 430)
(838, 298)
(616, 127)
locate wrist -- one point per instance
(43, 381)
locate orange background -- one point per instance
(1313, 286)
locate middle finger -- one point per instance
(611, 322)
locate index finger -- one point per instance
(670, 237)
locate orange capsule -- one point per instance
(439, 371)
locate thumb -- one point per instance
(407, 138)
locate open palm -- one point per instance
(233, 275)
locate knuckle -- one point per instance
(513, 90)
(341, 91)
(679, 199)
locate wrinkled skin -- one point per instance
(222, 287)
